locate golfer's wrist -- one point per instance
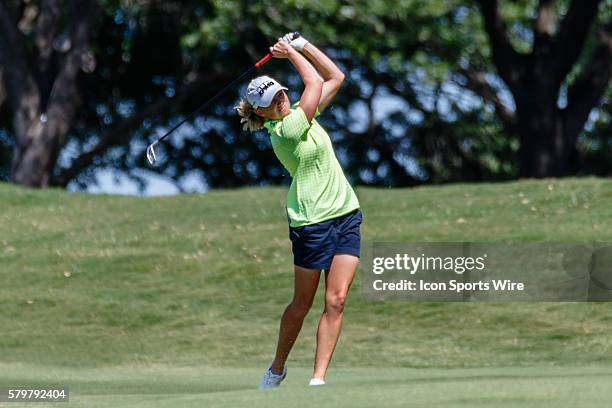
(307, 45)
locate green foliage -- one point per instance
(409, 53)
(415, 48)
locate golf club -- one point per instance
(151, 149)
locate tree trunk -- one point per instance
(546, 150)
(35, 154)
(42, 84)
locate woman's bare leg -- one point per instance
(337, 284)
(305, 288)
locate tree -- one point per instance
(549, 132)
(79, 93)
(41, 87)
(74, 103)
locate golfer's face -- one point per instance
(279, 108)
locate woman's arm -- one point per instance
(313, 84)
(330, 72)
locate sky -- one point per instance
(109, 183)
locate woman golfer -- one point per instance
(322, 209)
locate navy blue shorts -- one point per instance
(315, 245)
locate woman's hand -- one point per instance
(281, 50)
(298, 42)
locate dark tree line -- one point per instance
(481, 90)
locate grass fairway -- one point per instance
(175, 301)
(171, 387)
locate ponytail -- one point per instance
(250, 120)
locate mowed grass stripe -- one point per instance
(163, 386)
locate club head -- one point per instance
(151, 154)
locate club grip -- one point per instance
(265, 59)
(262, 61)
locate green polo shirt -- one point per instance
(319, 190)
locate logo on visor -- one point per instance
(262, 88)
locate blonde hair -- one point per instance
(250, 120)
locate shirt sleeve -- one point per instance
(294, 125)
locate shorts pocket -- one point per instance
(295, 233)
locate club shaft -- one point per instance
(257, 65)
(217, 95)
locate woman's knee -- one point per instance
(334, 302)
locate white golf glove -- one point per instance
(298, 43)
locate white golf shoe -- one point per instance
(316, 381)
(271, 380)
